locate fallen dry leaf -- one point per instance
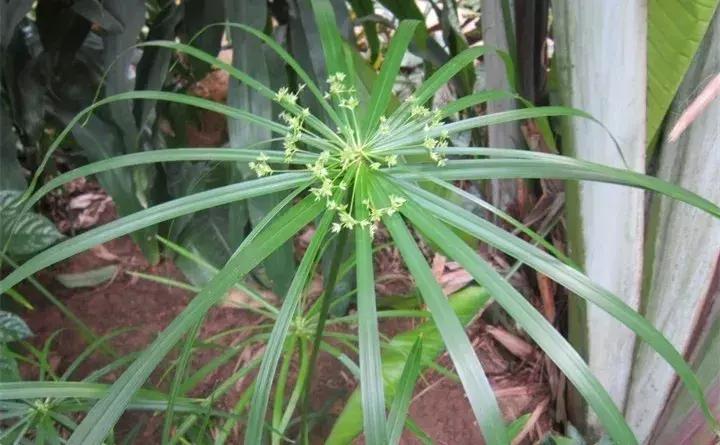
(514, 344)
(438, 266)
(547, 295)
(452, 282)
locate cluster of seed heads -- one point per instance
(331, 168)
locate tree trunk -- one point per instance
(600, 62)
(683, 292)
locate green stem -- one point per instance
(297, 391)
(280, 390)
(180, 373)
(319, 329)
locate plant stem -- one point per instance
(319, 329)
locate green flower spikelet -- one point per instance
(336, 167)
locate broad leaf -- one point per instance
(12, 328)
(25, 233)
(675, 30)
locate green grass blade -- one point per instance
(297, 390)
(555, 167)
(90, 349)
(235, 414)
(144, 399)
(477, 387)
(510, 116)
(403, 396)
(192, 381)
(371, 382)
(273, 350)
(320, 311)
(197, 102)
(180, 374)
(573, 280)
(150, 216)
(280, 385)
(382, 91)
(557, 348)
(257, 246)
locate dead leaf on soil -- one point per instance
(452, 282)
(514, 344)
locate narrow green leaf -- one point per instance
(303, 371)
(280, 385)
(144, 399)
(149, 95)
(90, 350)
(517, 425)
(477, 387)
(412, 135)
(295, 65)
(180, 375)
(518, 225)
(371, 384)
(246, 80)
(403, 395)
(382, 91)
(273, 350)
(555, 167)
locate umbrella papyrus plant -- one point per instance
(353, 171)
